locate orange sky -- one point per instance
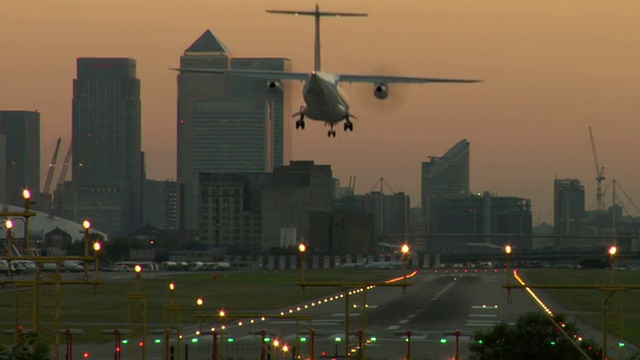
(551, 70)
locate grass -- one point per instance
(624, 311)
(232, 291)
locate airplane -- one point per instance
(324, 99)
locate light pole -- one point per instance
(408, 345)
(405, 255)
(303, 260)
(613, 251)
(507, 251)
(200, 302)
(26, 195)
(86, 225)
(97, 246)
(9, 225)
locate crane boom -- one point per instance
(52, 167)
(65, 165)
(599, 174)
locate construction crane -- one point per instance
(52, 167)
(599, 174)
(65, 165)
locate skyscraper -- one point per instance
(447, 175)
(107, 173)
(226, 123)
(20, 163)
(568, 206)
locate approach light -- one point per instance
(405, 248)
(86, 224)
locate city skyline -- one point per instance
(550, 71)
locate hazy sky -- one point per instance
(551, 69)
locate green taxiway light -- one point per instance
(125, 341)
(621, 344)
(230, 340)
(194, 340)
(443, 341)
(338, 339)
(303, 339)
(267, 339)
(553, 343)
(157, 341)
(374, 339)
(480, 342)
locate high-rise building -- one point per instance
(20, 152)
(226, 123)
(568, 206)
(447, 175)
(298, 190)
(161, 204)
(107, 174)
(230, 205)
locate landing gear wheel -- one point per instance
(300, 124)
(348, 126)
(331, 133)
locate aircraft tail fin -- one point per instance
(317, 62)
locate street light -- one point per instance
(97, 246)
(26, 195)
(612, 260)
(405, 253)
(172, 288)
(9, 225)
(86, 225)
(138, 270)
(303, 260)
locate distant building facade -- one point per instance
(479, 216)
(230, 210)
(447, 175)
(226, 124)
(569, 206)
(107, 177)
(19, 155)
(298, 189)
(160, 202)
(389, 212)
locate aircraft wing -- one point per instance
(374, 79)
(260, 74)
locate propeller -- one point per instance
(364, 93)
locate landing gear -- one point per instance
(348, 126)
(331, 133)
(300, 122)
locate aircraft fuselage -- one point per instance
(324, 99)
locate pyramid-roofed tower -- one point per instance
(207, 43)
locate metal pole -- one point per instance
(69, 345)
(214, 356)
(457, 345)
(27, 205)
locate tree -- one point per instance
(532, 337)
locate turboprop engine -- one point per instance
(380, 91)
(274, 86)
